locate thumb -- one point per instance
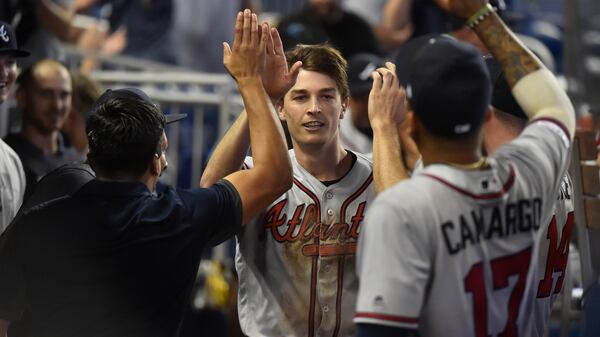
(293, 74)
(226, 51)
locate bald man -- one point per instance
(44, 98)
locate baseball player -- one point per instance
(12, 176)
(507, 120)
(296, 261)
(454, 257)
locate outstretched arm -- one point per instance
(271, 175)
(231, 150)
(534, 86)
(386, 111)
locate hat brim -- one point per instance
(15, 52)
(172, 118)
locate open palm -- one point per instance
(277, 78)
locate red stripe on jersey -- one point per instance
(313, 271)
(392, 318)
(555, 121)
(507, 185)
(354, 195)
(336, 249)
(338, 301)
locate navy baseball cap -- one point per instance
(8, 41)
(502, 96)
(360, 67)
(447, 84)
(137, 94)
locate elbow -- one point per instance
(282, 181)
(206, 181)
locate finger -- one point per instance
(277, 44)
(239, 22)
(377, 81)
(254, 29)
(391, 66)
(294, 70)
(226, 50)
(386, 77)
(264, 36)
(246, 30)
(271, 42)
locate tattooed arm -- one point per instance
(534, 86)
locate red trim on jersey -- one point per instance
(507, 185)
(353, 197)
(383, 317)
(555, 121)
(338, 300)
(313, 269)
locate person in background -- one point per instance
(44, 98)
(85, 92)
(12, 177)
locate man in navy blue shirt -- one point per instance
(119, 257)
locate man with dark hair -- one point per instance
(295, 260)
(450, 251)
(120, 256)
(12, 177)
(44, 97)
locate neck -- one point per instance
(47, 142)
(449, 152)
(146, 179)
(324, 162)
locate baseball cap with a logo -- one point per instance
(447, 84)
(8, 42)
(360, 67)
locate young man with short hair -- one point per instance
(295, 260)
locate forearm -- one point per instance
(57, 20)
(388, 165)
(534, 86)
(266, 135)
(396, 14)
(229, 154)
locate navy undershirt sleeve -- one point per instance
(232, 218)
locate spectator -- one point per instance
(85, 92)
(44, 98)
(12, 177)
(326, 21)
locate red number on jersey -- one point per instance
(557, 258)
(502, 268)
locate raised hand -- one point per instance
(277, 79)
(387, 99)
(246, 59)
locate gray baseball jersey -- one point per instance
(450, 252)
(554, 255)
(296, 261)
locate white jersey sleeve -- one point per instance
(12, 184)
(391, 240)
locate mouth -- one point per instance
(313, 125)
(3, 85)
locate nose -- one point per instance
(315, 106)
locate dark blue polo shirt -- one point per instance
(113, 259)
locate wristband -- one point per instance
(480, 15)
